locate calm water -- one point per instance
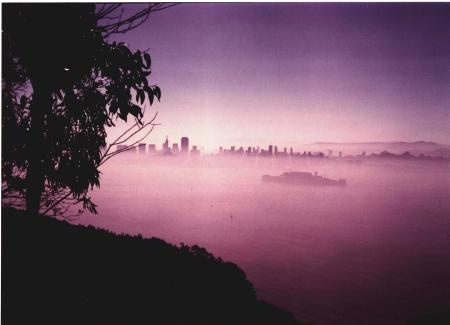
(375, 252)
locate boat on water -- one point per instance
(303, 178)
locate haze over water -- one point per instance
(375, 251)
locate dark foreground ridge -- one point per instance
(57, 273)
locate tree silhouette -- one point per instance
(63, 82)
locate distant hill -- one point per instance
(383, 143)
(416, 148)
(57, 273)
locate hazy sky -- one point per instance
(249, 74)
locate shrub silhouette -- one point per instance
(58, 273)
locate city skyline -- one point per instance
(300, 73)
(423, 150)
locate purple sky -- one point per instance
(249, 74)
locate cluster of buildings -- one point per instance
(166, 148)
(272, 151)
(183, 149)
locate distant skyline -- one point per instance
(295, 73)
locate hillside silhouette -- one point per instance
(57, 273)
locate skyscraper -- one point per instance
(195, 151)
(165, 146)
(151, 148)
(185, 145)
(175, 148)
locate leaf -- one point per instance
(125, 49)
(148, 60)
(138, 58)
(59, 94)
(23, 101)
(113, 107)
(140, 95)
(136, 111)
(145, 81)
(124, 110)
(158, 93)
(122, 116)
(150, 96)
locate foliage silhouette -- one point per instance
(63, 82)
(57, 273)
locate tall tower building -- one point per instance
(185, 145)
(165, 146)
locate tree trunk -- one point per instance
(40, 105)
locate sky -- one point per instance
(294, 73)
